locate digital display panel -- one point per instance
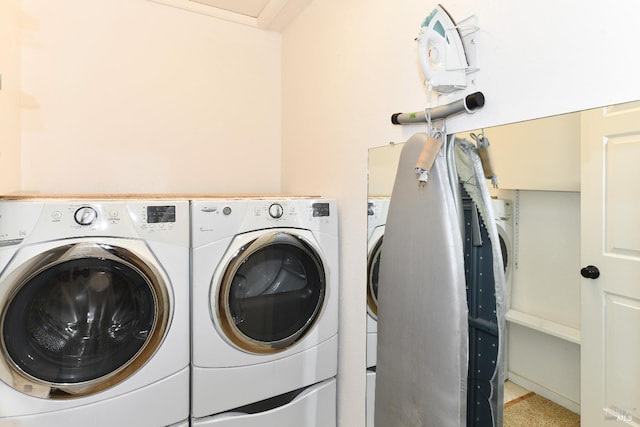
(320, 209)
(159, 214)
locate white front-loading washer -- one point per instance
(264, 305)
(94, 312)
(376, 219)
(503, 213)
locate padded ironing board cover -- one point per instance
(422, 311)
(469, 168)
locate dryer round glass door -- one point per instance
(81, 318)
(373, 270)
(271, 293)
(505, 253)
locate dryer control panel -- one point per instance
(214, 219)
(303, 213)
(318, 210)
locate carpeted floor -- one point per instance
(532, 410)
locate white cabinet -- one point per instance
(9, 96)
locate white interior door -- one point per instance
(610, 353)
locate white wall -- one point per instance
(136, 96)
(348, 65)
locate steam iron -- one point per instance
(441, 52)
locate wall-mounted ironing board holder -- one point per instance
(468, 104)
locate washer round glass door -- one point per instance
(271, 293)
(81, 318)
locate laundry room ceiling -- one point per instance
(251, 8)
(273, 15)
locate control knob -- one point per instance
(276, 210)
(86, 215)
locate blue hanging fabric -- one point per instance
(486, 295)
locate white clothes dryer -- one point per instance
(504, 218)
(376, 219)
(94, 312)
(264, 301)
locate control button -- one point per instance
(86, 215)
(226, 210)
(275, 210)
(56, 215)
(113, 214)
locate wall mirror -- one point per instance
(547, 181)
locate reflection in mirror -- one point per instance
(377, 216)
(382, 165)
(538, 212)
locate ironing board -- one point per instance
(422, 314)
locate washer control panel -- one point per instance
(159, 220)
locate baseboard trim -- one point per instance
(561, 400)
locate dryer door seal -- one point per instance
(373, 270)
(81, 318)
(272, 293)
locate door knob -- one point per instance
(590, 272)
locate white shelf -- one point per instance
(542, 325)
